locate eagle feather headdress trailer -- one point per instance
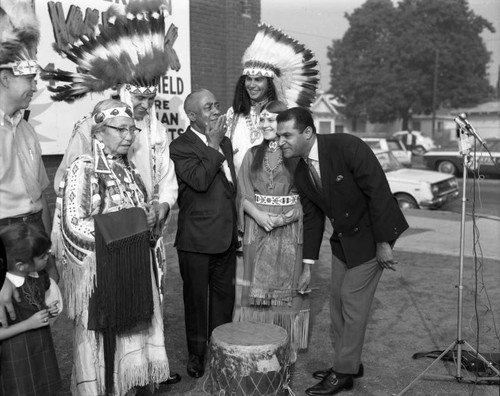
(19, 36)
(290, 64)
(133, 47)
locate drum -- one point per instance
(249, 359)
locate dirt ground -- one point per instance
(415, 310)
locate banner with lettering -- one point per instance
(68, 19)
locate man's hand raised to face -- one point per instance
(217, 133)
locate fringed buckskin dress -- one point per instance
(272, 260)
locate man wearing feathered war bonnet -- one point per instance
(22, 174)
(144, 56)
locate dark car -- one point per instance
(451, 161)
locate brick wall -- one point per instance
(221, 30)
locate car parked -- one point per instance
(417, 188)
(422, 143)
(451, 161)
(396, 146)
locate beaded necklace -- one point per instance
(122, 176)
(277, 158)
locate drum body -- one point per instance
(249, 359)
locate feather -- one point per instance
(293, 67)
(132, 47)
(19, 31)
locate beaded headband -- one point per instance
(112, 113)
(268, 114)
(23, 68)
(138, 90)
(259, 69)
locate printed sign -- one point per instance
(64, 22)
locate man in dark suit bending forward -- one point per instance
(339, 177)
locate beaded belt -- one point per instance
(276, 200)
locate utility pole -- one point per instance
(434, 93)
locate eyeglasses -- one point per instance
(124, 131)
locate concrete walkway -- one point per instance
(439, 233)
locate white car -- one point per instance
(417, 188)
(396, 146)
(423, 143)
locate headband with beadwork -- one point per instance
(112, 113)
(138, 90)
(23, 67)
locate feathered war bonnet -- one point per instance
(292, 67)
(132, 49)
(19, 36)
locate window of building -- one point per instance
(325, 127)
(416, 125)
(339, 129)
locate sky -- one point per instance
(316, 23)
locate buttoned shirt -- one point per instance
(225, 166)
(22, 173)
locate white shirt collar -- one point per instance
(18, 280)
(313, 154)
(201, 136)
(14, 120)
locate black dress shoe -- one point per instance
(323, 373)
(173, 379)
(196, 366)
(331, 385)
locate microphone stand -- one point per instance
(465, 143)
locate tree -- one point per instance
(383, 68)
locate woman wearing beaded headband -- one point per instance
(270, 216)
(275, 67)
(112, 296)
(251, 93)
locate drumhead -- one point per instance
(250, 334)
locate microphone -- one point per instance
(465, 125)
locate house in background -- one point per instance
(444, 127)
(485, 118)
(330, 117)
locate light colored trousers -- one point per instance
(350, 302)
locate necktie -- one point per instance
(315, 176)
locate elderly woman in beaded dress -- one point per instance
(270, 216)
(112, 296)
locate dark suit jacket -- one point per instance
(356, 199)
(207, 212)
